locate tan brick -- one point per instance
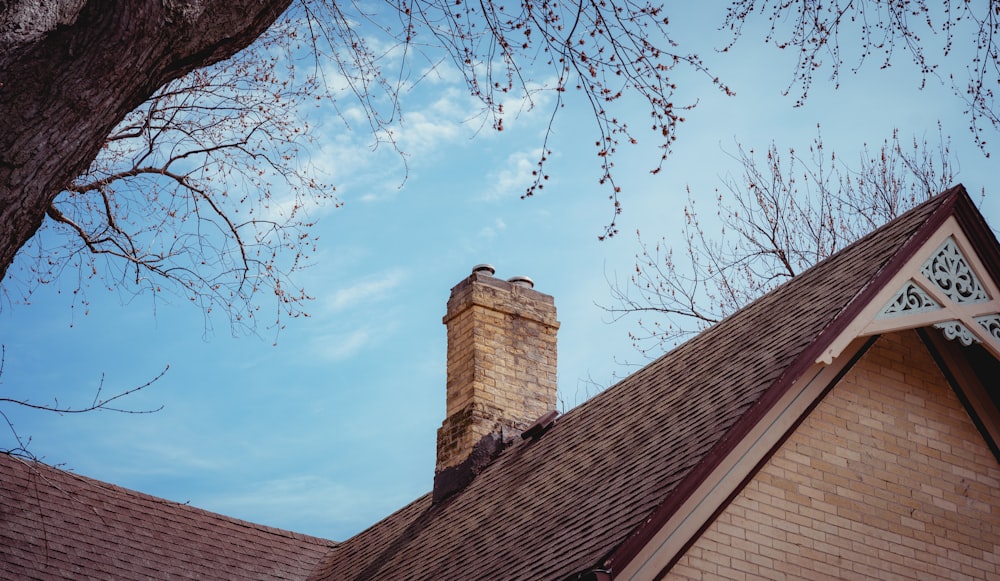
(886, 479)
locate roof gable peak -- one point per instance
(944, 284)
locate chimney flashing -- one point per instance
(454, 478)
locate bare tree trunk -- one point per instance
(70, 70)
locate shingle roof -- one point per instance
(58, 525)
(550, 508)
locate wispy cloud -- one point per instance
(370, 289)
(424, 132)
(339, 347)
(515, 176)
(436, 113)
(353, 314)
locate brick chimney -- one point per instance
(501, 372)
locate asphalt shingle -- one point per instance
(56, 524)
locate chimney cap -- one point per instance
(524, 281)
(484, 269)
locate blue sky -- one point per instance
(334, 427)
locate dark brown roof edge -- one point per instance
(968, 217)
(979, 233)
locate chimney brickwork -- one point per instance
(501, 371)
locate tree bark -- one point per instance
(71, 70)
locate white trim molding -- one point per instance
(945, 285)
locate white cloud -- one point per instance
(436, 113)
(354, 314)
(425, 131)
(342, 153)
(370, 289)
(341, 347)
(441, 72)
(535, 99)
(514, 177)
(366, 166)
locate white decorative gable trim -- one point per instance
(949, 270)
(909, 300)
(992, 325)
(945, 285)
(954, 330)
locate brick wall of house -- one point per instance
(887, 478)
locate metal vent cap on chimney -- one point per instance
(524, 281)
(484, 269)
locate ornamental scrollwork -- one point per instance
(909, 299)
(991, 323)
(949, 270)
(955, 330)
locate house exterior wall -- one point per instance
(887, 478)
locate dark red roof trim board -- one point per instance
(979, 233)
(593, 575)
(954, 201)
(948, 358)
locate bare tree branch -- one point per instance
(823, 34)
(98, 403)
(783, 214)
